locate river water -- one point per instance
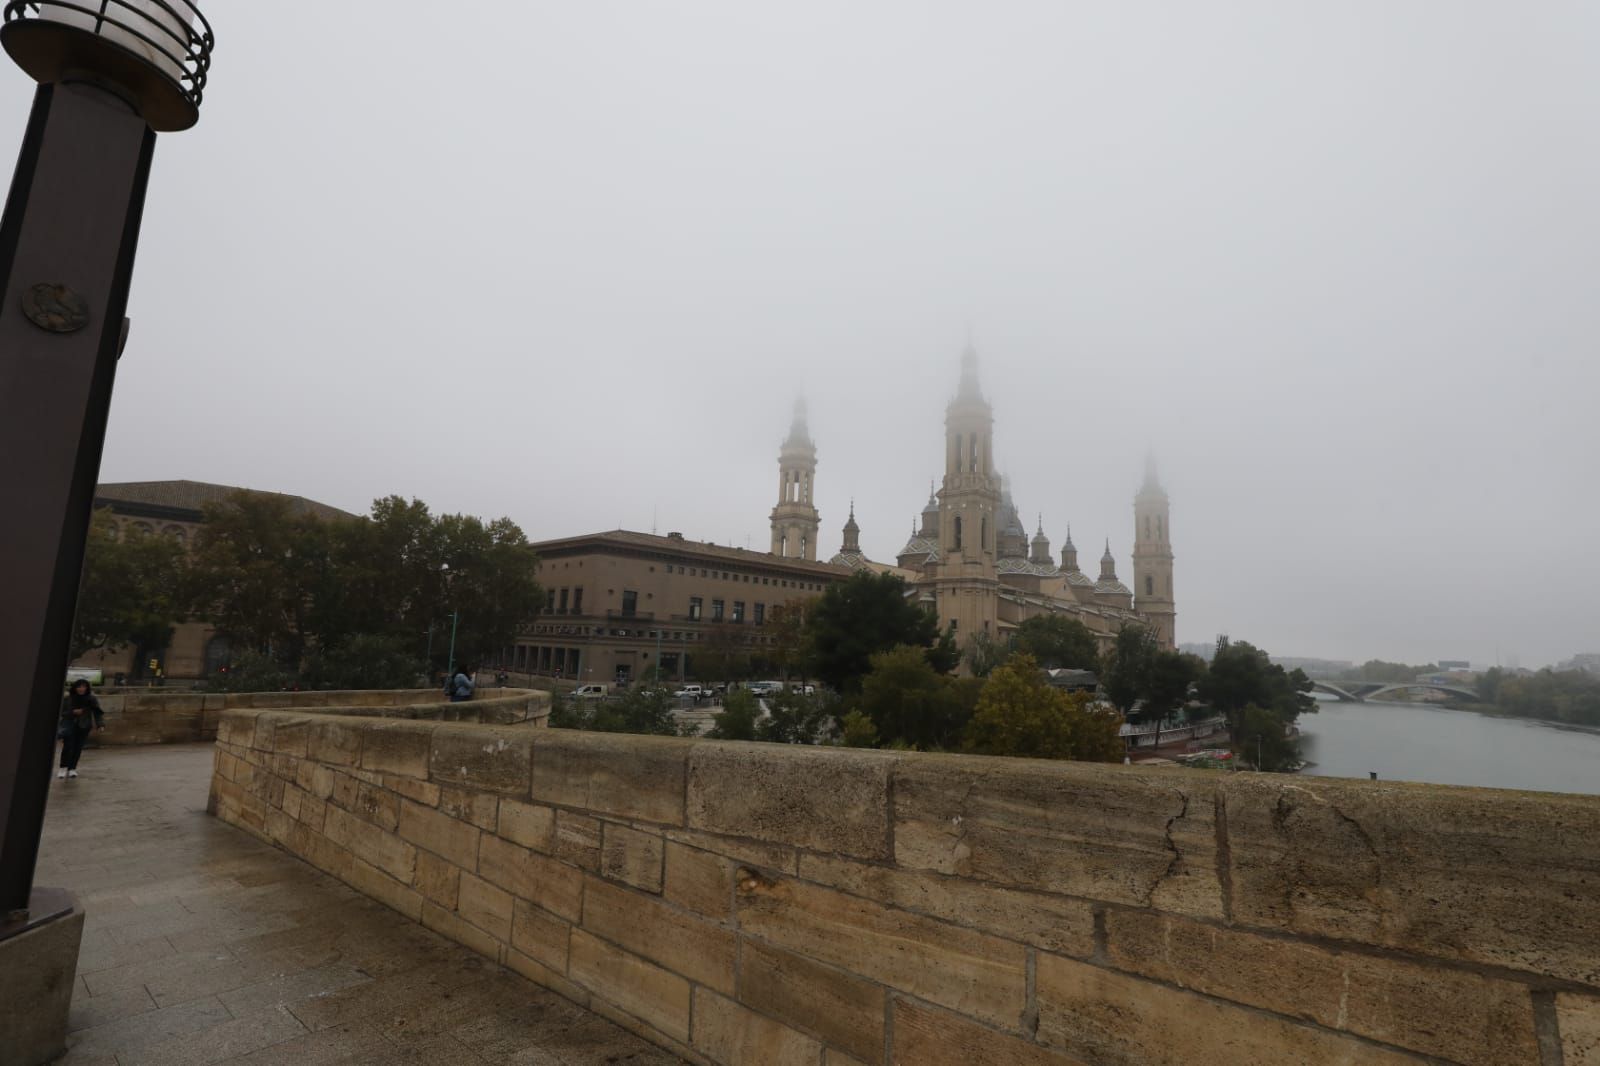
(1416, 742)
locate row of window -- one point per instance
(748, 579)
(679, 635)
(697, 606)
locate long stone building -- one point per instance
(633, 606)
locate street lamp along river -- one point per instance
(111, 74)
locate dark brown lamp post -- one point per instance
(111, 74)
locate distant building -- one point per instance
(1315, 668)
(1589, 662)
(175, 509)
(1454, 664)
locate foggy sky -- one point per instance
(1335, 264)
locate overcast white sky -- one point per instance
(1336, 264)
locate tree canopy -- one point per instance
(1058, 642)
(131, 592)
(910, 703)
(1020, 713)
(857, 618)
(1260, 699)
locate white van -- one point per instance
(591, 692)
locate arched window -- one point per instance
(1146, 527)
(958, 453)
(983, 534)
(973, 466)
(803, 543)
(958, 533)
(1149, 585)
(1159, 531)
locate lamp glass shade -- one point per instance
(167, 25)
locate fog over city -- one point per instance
(1335, 266)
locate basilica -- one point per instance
(969, 558)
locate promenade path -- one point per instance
(205, 945)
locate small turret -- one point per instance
(1041, 547)
(852, 533)
(1108, 564)
(930, 516)
(1069, 553)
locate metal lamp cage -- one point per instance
(170, 35)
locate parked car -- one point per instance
(809, 690)
(591, 692)
(765, 688)
(691, 692)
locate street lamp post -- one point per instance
(111, 74)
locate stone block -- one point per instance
(844, 1010)
(639, 988)
(698, 881)
(398, 747)
(378, 806)
(439, 833)
(38, 969)
(946, 964)
(1452, 1014)
(622, 776)
(540, 935)
(1506, 878)
(334, 741)
(727, 1032)
(237, 727)
(776, 858)
(553, 885)
(1051, 922)
(371, 844)
(437, 879)
(528, 824)
(577, 840)
(545, 977)
(346, 791)
(924, 1036)
(469, 805)
(1578, 1019)
(632, 857)
(489, 758)
(825, 799)
(291, 735)
(703, 952)
(423, 792)
(1106, 1017)
(485, 906)
(371, 881)
(452, 926)
(1145, 838)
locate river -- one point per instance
(1417, 742)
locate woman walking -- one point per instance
(80, 713)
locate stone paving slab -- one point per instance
(203, 945)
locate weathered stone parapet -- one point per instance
(745, 903)
(159, 716)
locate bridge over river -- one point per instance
(1361, 691)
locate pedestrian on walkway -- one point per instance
(459, 686)
(80, 715)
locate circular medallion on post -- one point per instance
(54, 307)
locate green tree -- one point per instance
(909, 702)
(1125, 674)
(639, 710)
(794, 718)
(983, 654)
(722, 654)
(131, 592)
(790, 651)
(1020, 713)
(1243, 683)
(1058, 642)
(857, 618)
(737, 719)
(1259, 738)
(363, 661)
(857, 731)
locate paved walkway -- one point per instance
(204, 945)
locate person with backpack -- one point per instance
(459, 685)
(80, 715)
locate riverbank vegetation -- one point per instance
(1571, 697)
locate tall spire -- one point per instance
(970, 390)
(852, 532)
(799, 431)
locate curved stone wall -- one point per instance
(768, 904)
(158, 716)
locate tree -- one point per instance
(132, 590)
(1058, 642)
(790, 650)
(251, 573)
(1125, 675)
(722, 654)
(794, 718)
(737, 719)
(1260, 699)
(983, 654)
(857, 731)
(364, 661)
(909, 702)
(640, 710)
(1019, 713)
(857, 618)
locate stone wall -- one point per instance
(157, 716)
(775, 905)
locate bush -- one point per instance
(251, 672)
(737, 720)
(364, 661)
(1020, 713)
(641, 710)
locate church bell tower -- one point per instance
(795, 520)
(967, 583)
(1152, 557)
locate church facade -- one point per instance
(969, 559)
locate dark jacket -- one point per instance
(89, 716)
